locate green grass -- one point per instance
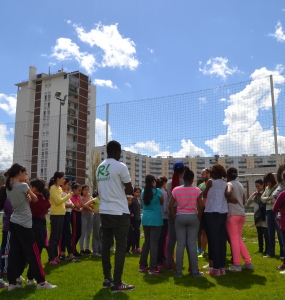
(84, 281)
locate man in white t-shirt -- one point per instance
(114, 183)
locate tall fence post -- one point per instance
(274, 119)
(107, 125)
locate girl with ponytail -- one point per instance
(57, 213)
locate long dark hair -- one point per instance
(3, 196)
(13, 172)
(269, 177)
(40, 185)
(148, 189)
(279, 173)
(75, 185)
(56, 175)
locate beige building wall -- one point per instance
(250, 162)
(164, 168)
(222, 161)
(147, 165)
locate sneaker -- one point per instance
(46, 286)
(281, 267)
(143, 268)
(62, 257)
(108, 282)
(96, 254)
(77, 253)
(203, 254)
(12, 287)
(73, 259)
(268, 256)
(138, 251)
(223, 271)
(199, 274)
(282, 257)
(154, 272)
(20, 279)
(112, 249)
(160, 265)
(282, 272)
(31, 282)
(57, 259)
(87, 251)
(248, 266)
(235, 268)
(82, 252)
(121, 287)
(169, 267)
(214, 272)
(177, 274)
(258, 252)
(3, 284)
(199, 250)
(207, 267)
(53, 262)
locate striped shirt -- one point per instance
(186, 198)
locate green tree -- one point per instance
(93, 162)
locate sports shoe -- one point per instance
(281, 267)
(82, 252)
(96, 254)
(77, 253)
(199, 250)
(282, 272)
(160, 265)
(12, 287)
(138, 251)
(73, 259)
(62, 257)
(143, 268)
(108, 282)
(31, 282)
(169, 267)
(121, 287)
(154, 272)
(214, 272)
(235, 268)
(207, 267)
(199, 274)
(20, 279)
(267, 256)
(248, 266)
(282, 257)
(3, 284)
(53, 262)
(177, 274)
(46, 286)
(112, 249)
(223, 271)
(57, 259)
(203, 254)
(87, 251)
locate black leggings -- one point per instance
(137, 233)
(262, 232)
(76, 229)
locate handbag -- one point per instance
(260, 214)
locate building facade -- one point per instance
(37, 123)
(250, 167)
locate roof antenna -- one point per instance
(48, 70)
(62, 69)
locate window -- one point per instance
(65, 76)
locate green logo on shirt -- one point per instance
(103, 172)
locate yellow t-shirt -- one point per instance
(57, 202)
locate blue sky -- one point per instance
(143, 49)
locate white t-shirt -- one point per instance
(111, 176)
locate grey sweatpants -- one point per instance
(186, 228)
(97, 234)
(86, 227)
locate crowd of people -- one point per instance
(171, 213)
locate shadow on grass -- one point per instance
(241, 280)
(155, 279)
(198, 282)
(107, 294)
(24, 293)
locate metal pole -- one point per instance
(107, 125)
(59, 125)
(274, 119)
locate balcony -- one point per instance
(72, 122)
(73, 80)
(71, 146)
(73, 90)
(72, 114)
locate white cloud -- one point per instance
(218, 66)
(244, 133)
(65, 49)
(100, 133)
(8, 103)
(223, 99)
(128, 85)
(150, 50)
(279, 33)
(203, 100)
(118, 51)
(68, 21)
(107, 83)
(152, 148)
(6, 149)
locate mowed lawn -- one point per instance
(84, 281)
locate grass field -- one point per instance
(84, 281)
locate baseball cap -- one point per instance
(178, 165)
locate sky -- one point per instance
(134, 50)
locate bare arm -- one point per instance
(208, 186)
(88, 206)
(171, 207)
(128, 188)
(32, 195)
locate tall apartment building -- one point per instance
(37, 123)
(250, 167)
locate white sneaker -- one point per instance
(248, 266)
(207, 267)
(46, 286)
(12, 287)
(282, 272)
(20, 279)
(235, 268)
(96, 254)
(31, 282)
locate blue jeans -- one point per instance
(272, 226)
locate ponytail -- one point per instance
(56, 175)
(148, 195)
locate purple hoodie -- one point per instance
(8, 210)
